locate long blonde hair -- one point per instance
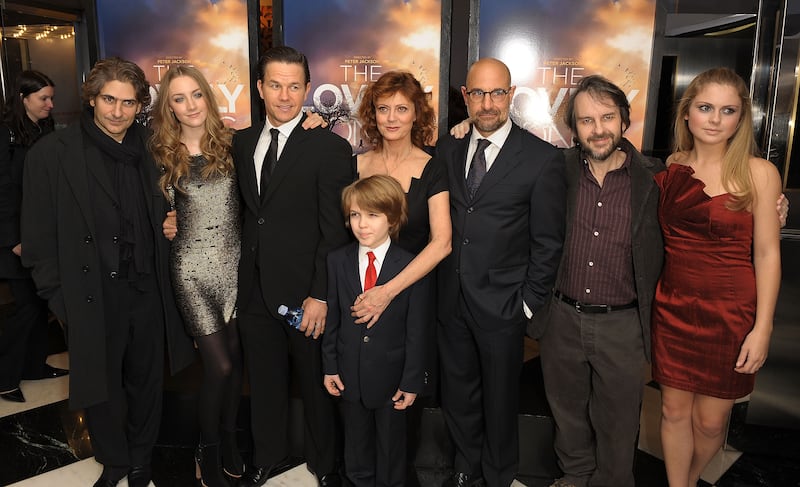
(736, 177)
(166, 145)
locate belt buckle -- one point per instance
(578, 306)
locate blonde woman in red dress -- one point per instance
(714, 305)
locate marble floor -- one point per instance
(43, 443)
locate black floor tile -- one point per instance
(40, 440)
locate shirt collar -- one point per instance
(626, 164)
(497, 138)
(379, 251)
(286, 128)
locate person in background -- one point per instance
(91, 232)
(715, 299)
(378, 371)
(193, 146)
(23, 349)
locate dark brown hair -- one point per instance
(116, 69)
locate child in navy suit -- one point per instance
(377, 371)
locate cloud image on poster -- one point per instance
(208, 34)
(350, 43)
(550, 45)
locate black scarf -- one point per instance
(122, 161)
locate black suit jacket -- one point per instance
(507, 239)
(373, 363)
(68, 223)
(647, 247)
(289, 232)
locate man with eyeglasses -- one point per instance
(91, 231)
(507, 204)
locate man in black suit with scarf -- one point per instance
(291, 181)
(507, 203)
(91, 231)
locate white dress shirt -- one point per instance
(497, 139)
(266, 138)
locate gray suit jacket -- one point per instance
(647, 246)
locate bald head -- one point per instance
(492, 66)
(488, 112)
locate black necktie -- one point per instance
(477, 168)
(270, 161)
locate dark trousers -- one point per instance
(593, 367)
(23, 344)
(374, 445)
(124, 428)
(274, 351)
(480, 369)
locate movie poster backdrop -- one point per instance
(550, 45)
(350, 43)
(211, 35)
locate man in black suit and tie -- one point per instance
(291, 181)
(507, 203)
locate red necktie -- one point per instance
(372, 275)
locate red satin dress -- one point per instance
(705, 302)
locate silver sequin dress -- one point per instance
(205, 253)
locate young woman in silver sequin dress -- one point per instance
(193, 146)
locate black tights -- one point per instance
(221, 354)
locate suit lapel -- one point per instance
(458, 187)
(147, 173)
(97, 168)
(506, 160)
(390, 267)
(289, 155)
(352, 276)
(247, 150)
(641, 186)
(75, 162)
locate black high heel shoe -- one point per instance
(14, 395)
(232, 463)
(207, 466)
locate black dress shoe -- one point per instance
(110, 477)
(13, 396)
(257, 476)
(49, 372)
(139, 476)
(330, 480)
(461, 479)
(254, 477)
(104, 482)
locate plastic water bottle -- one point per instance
(293, 316)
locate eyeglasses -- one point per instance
(496, 95)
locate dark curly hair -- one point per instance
(116, 69)
(387, 85)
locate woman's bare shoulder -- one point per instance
(763, 171)
(678, 158)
